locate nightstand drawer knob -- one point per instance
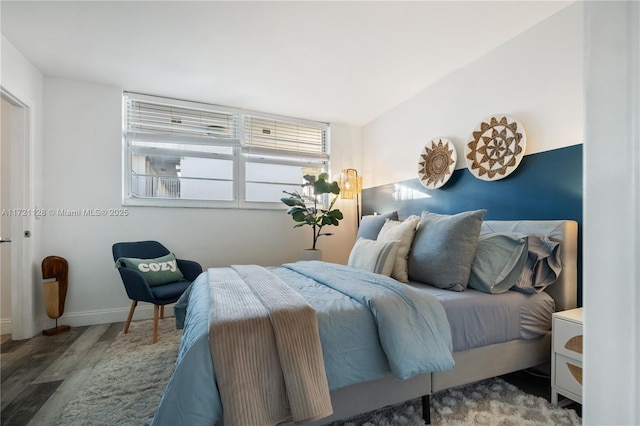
(576, 372)
(574, 344)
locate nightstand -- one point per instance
(566, 359)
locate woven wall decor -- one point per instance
(496, 147)
(437, 162)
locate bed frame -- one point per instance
(482, 362)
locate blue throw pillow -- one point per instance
(371, 225)
(158, 271)
(444, 247)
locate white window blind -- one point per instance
(192, 154)
(144, 117)
(284, 136)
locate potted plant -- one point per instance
(305, 211)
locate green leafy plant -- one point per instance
(304, 208)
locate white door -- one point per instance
(16, 259)
(5, 217)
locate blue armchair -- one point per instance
(137, 287)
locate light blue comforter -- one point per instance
(370, 326)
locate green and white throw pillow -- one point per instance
(158, 271)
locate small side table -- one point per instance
(566, 359)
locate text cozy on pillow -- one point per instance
(158, 271)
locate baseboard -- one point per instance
(5, 326)
(103, 316)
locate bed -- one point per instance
(192, 397)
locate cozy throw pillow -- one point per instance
(542, 266)
(403, 232)
(161, 270)
(498, 262)
(374, 256)
(444, 247)
(371, 225)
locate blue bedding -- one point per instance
(370, 326)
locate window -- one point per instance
(188, 154)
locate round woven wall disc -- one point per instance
(496, 147)
(437, 163)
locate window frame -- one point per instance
(240, 156)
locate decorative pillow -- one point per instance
(374, 256)
(403, 232)
(371, 225)
(498, 262)
(161, 270)
(542, 267)
(444, 247)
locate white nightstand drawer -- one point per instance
(567, 338)
(568, 375)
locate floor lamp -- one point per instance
(351, 187)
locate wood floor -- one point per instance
(40, 376)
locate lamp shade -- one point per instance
(350, 184)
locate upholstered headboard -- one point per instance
(565, 289)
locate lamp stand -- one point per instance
(358, 209)
(351, 186)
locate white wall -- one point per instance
(612, 208)
(535, 77)
(83, 170)
(24, 82)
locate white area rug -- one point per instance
(492, 402)
(126, 387)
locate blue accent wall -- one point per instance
(547, 185)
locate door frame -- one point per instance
(23, 324)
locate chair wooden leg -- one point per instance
(156, 308)
(162, 312)
(133, 308)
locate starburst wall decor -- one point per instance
(496, 147)
(437, 162)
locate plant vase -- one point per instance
(310, 254)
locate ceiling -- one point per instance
(340, 61)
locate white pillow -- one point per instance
(403, 232)
(374, 256)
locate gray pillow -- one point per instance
(371, 225)
(444, 247)
(498, 263)
(542, 267)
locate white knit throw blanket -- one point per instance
(265, 348)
